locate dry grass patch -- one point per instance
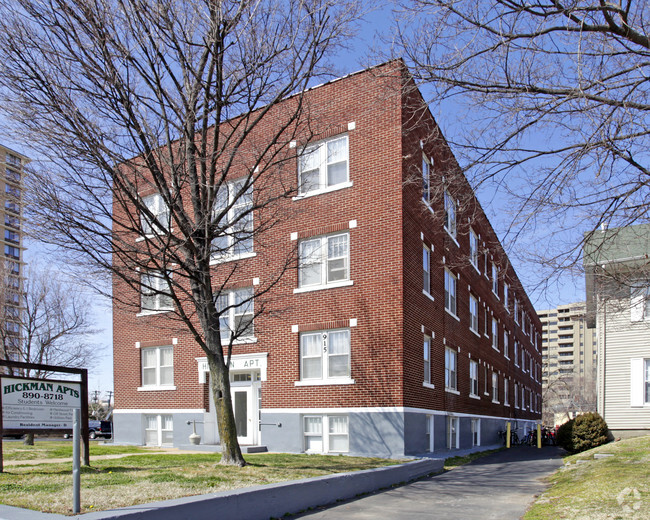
(140, 479)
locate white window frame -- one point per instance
(495, 280)
(476, 432)
(427, 360)
(320, 256)
(506, 344)
(452, 432)
(506, 301)
(495, 387)
(516, 353)
(495, 334)
(451, 291)
(153, 285)
(238, 219)
(516, 311)
(320, 151)
(429, 432)
(157, 368)
(160, 211)
(326, 435)
(321, 339)
(506, 389)
(161, 420)
(516, 392)
(451, 214)
(232, 314)
(473, 378)
(473, 314)
(473, 249)
(426, 179)
(640, 302)
(451, 370)
(426, 267)
(639, 382)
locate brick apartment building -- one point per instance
(409, 333)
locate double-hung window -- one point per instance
(450, 214)
(495, 334)
(324, 260)
(516, 395)
(452, 433)
(450, 292)
(473, 378)
(505, 297)
(640, 301)
(451, 363)
(236, 314)
(426, 179)
(232, 217)
(495, 279)
(154, 217)
(426, 268)
(476, 432)
(326, 433)
(325, 355)
(516, 353)
(506, 385)
(157, 367)
(473, 248)
(427, 360)
(159, 430)
(516, 311)
(323, 165)
(506, 344)
(155, 295)
(473, 313)
(495, 387)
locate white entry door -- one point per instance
(242, 404)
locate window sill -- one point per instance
(155, 388)
(152, 313)
(496, 295)
(230, 258)
(475, 266)
(452, 315)
(452, 391)
(506, 356)
(476, 333)
(474, 396)
(428, 295)
(150, 236)
(324, 382)
(311, 288)
(428, 385)
(428, 206)
(495, 348)
(240, 341)
(330, 189)
(506, 404)
(451, 236)
(495, 402)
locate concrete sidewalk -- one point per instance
(499, 486)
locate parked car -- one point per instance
(96, 429)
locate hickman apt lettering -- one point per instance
(399, 325)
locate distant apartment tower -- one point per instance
(11, 175)
(569, 363)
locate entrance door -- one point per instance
(242, 403)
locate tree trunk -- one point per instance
(29, 439)
(220, 386)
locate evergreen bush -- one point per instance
(564, 437)
(589, 431)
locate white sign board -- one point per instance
(38, 404)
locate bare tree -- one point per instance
(168, 126)
(553, 101)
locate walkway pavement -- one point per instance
(499, 486)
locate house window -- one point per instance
(516, 353)
(325, 355)
(429, 432)
(639, 382)
(13, 160)
(426, 179)
(324, 260)
(506, 345)
(486, 322)
(495, 279)
(523, 360)
(12, 191)
(450, 214)
(155, 294)
(646, 382)
(473, 378)
(12, 236)
(426, 267)
(505, 392)
(323, 165)
(451, 358)
(476, 432)
(155, 219)
(506, 302)
(516, 311)
(450, 292)
(473, 248)
(495, 334)
(452, 433)
(495, 387)
(159, 430)
(516, 395)
(233, 219)
(326, 433)
(12, 252)
(523, 398)
(485, 380)
(427, 359)
(157, 366)
(473, 314)
(640, 302)
(12, 221)
(236, 314)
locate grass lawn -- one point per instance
(153, 476)
(60, 449)
(616, 487)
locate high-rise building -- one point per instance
(11, 174)
(569, 362)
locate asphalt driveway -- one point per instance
(500, 486)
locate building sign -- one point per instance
(238, 362)
(38, 403)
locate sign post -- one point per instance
(76, 467)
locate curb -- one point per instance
(258, 502)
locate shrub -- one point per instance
(586, 431)
(589, 431)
